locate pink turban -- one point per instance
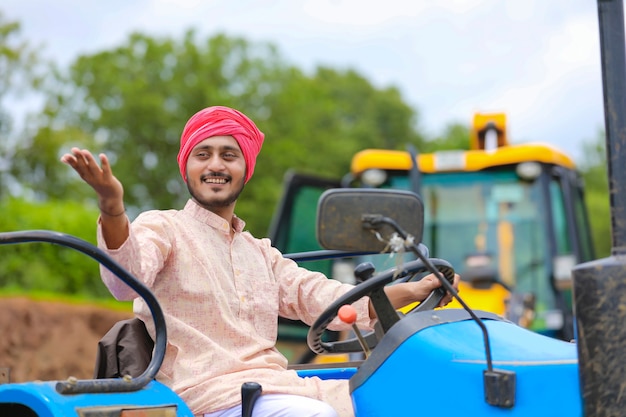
(221, 121)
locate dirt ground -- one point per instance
(42, 340)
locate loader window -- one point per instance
(562, 233)
(582, 225)
(299, 232)
(492, 212)
(293, 226)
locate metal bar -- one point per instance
(79, 386)
(613, 56)
(600, 286)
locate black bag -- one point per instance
(126, 349)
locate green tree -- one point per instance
(45, 267)
(455, 136)
(132, 102)
(319, 122)
(594, 171)
(19, 65)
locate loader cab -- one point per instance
(510, 218)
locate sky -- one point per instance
(538, 61)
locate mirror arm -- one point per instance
(375, 221)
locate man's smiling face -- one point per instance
(216, 171)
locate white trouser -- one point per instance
(282, 405)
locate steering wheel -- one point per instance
(387, 315)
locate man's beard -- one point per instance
(215, 203)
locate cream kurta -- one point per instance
(221, 297)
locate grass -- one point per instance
(109, 303)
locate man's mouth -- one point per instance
(215, 179)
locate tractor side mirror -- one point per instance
(341, 211)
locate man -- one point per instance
(221, 289)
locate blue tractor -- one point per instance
(424, 361)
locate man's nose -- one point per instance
(215, 163)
